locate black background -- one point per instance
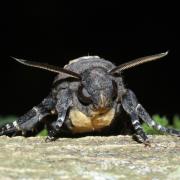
(58, 32)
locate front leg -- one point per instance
(64, 101)
(29, 121)
(128, 103)
(140, 134)
(131, 105)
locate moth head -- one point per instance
(97, 89)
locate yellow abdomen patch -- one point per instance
(82, 123)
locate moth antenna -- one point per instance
(48, 67)
(137, 62)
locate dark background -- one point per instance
(58, 32)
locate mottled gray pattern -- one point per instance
(81, 64)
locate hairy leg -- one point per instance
(140, 134)
(62, 106)
(28, 121)
(146, 117)
(131, 105)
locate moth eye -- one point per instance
(84, 96)
(115, 89)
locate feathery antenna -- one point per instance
(48, 67)
(137, 62)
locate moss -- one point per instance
(44, 132)
(164, 122)
(7, 119)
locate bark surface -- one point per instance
(99, 158)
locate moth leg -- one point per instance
(146, 117)
(130, 104)
(28, 121)
(140, 135)
(62, 106)
(52, 132)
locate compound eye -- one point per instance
(115, 89)
(84, 96)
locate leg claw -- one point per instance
(50, 139)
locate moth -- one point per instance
(87, 95)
